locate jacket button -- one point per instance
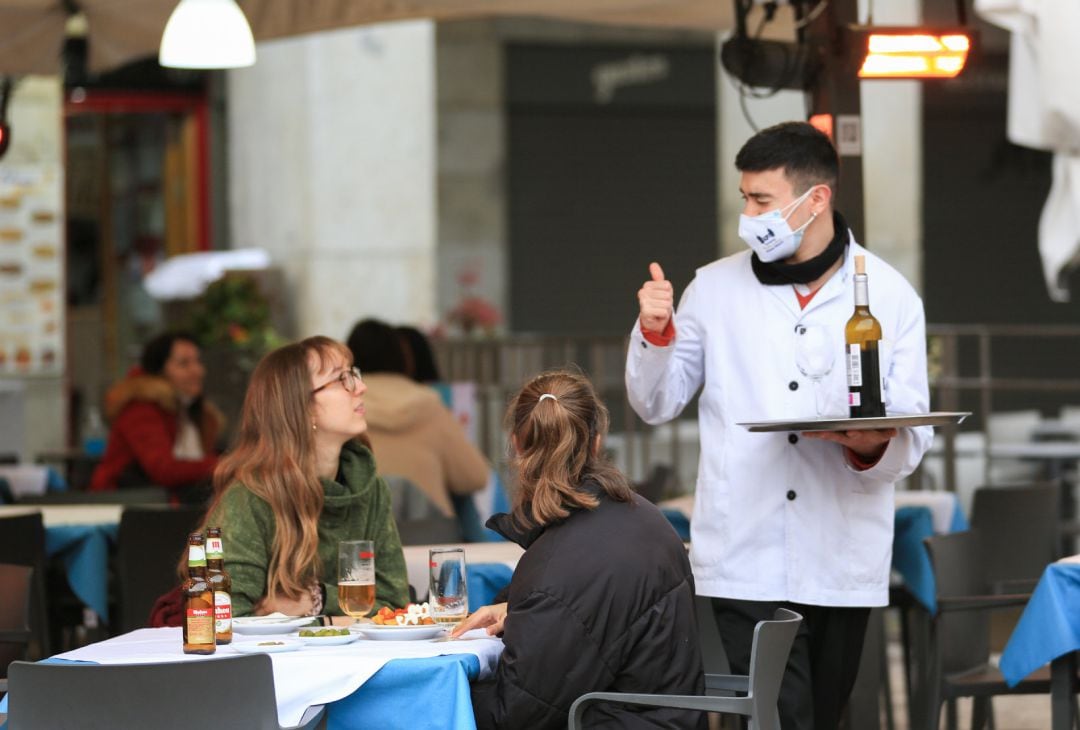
(791, 495)
(792, 438)
(793, 385)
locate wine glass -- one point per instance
(815, 355)
(356, 577)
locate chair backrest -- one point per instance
(226, 692)
(133, 495)
(1019, 527)
(15, 593)
(768, 660)
(963, 637)
(22, 542)
(150, 542)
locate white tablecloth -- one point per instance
(310, 676)
(56, 515)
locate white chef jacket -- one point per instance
(778, 517)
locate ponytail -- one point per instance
(556, 423)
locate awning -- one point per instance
(120, 31)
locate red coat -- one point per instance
(143, 410)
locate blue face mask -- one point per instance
(769, 233)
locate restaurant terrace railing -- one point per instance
(975, 367)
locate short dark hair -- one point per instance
(805, 154)
(376, 348)
(156, 352)
(418, 350)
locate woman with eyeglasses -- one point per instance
(300, 479)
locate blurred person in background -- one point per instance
(603, 598)
(163, 432)
(300, 479)
(414, 435)
(420, 362)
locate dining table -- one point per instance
(1049, 632)
(363, 684)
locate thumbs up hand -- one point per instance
(656, 299)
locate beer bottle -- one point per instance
(862, 336)
(222, 585)
(198, 601)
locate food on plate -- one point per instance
(271, 643)
(310, 633)
(415, 614)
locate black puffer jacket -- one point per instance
(601, 601)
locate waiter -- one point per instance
(802, 521)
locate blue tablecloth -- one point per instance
(1050, 625)
(406, 693)
(411, 693)
(85, 552)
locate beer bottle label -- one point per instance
(222, 612)
(200, 626)
(196, 557)
(214, 550)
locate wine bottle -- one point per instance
(862, 336)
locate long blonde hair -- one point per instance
(274, 458)
(556, 448)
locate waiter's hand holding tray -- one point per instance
(934, 418)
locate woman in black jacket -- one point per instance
(603, 598)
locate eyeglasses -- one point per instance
(349, 380)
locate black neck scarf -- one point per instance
(777, 272)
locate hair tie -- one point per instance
(547, 395)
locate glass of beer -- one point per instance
(449, 597)
(356, 577)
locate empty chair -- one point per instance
(959, 655)
(22, 542)
(230, 692)
(15, 591)
(150, 542)
(1019, 528)
(768, 658)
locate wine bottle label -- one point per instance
(200, 626)
(222, 612)
(854, 366)
(854, 400)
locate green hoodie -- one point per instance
(358, 509)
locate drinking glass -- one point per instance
(356, 577)
(449, 597)
(815, 355)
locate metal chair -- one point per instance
(768, 658)
(1019, 526)
(15, 591)
(959, 648)
(228, 692)
(149, 544)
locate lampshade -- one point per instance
(207, 34)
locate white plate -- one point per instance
(259, 647)
(327, 640)
(260, 625)
(400, 633)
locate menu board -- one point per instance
(31, 270)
